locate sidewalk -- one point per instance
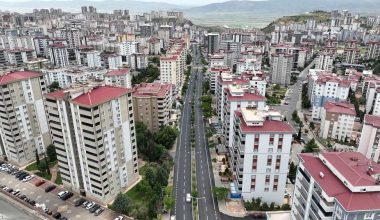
(230, 207)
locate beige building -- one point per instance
(93, 130)
(152, 104)
(337, 120)
(120, 77)
(23, 123)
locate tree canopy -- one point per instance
(310, 147)
(220, 193)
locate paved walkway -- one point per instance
(54, 173)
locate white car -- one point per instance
(90, 205)
(62, 193)
(119, 218)
(188, 197)
(28, 178)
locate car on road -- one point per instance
(79, 202)
(188, 197)
(50, 188)
(56, 215)
(98, 211)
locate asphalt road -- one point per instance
(182, 169)
(12, 212)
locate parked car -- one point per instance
(119, 218)
(98, 211)
(39, 182)
(27, 178)
(84, 205)
(90, 205)
(94, 208)
(62, 193)
(67, 196)
(79, 202)
(56, 215)
(50, 188)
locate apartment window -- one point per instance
(271, 139)
(253, 183)
(254, 162)
(278, 162)
(269, 160)
(275, 183)
(267, 179)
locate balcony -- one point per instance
(327, 206)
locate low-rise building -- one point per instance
(153, 104)
(369, 144)
(337, 121)
(120, 77)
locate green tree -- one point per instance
(37, 158)
(312, 126)
(310, 147)
(166, 136)
(47, 165)
(264, 207)
(54, 86)
(42, 165)
(155, 60)
(121, 204)
(277, 87)
(285, 207)
(169, 203)
(292, 171)
(188, 59)
(50, 151)
(220, 193)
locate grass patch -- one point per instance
(33, 166)
(44, 175)
(58, 181)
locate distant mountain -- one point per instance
(243, 13)
(102, 6)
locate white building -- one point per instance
(281, 68)
(121, 77)
(93, 131)
(324, 61)
(261, 152)
(243, 65)
(237, 97)
(111, 61)
(369, 139)
(23, 122)
(373, 50)
(217, 60)
(337, 121)
(336, 185)
(325, 87)
(58, 55)
(19, 56)
(213, 74)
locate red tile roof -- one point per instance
(269, 126)
(151, 89)
(100, 95)
(119, 72)
(59, 94)
(333, 186)
(372, 120)
(340, 108)
(247, 96)
(18, 76)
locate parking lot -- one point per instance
(50, 199)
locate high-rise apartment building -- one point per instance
(94, 134)
(152, 104)
(58, 54)
(120, 77)
(323, 87)
(336, 185)
(373, 50)
(324, 61)
(281, 68)
(212, 42)
(260, 154)
(24, 127)
(351, 52)
(237, 97)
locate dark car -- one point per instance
(22, 197)
(50, 188)
(10, 190)
(79, 202)
(22, 176)
(67, 196)
(94, 208)
(63, 218)
(56, 215)
(17, 175)
(32, 202)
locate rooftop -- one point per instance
(119, 72)
(151, 89)
(372, 120)
(17, 76)
(254, 121)
(237, 93)
(334, 187)
(340, 108)
(100, 95)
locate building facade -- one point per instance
(94, 134)
(281, 68)
(24, 125)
